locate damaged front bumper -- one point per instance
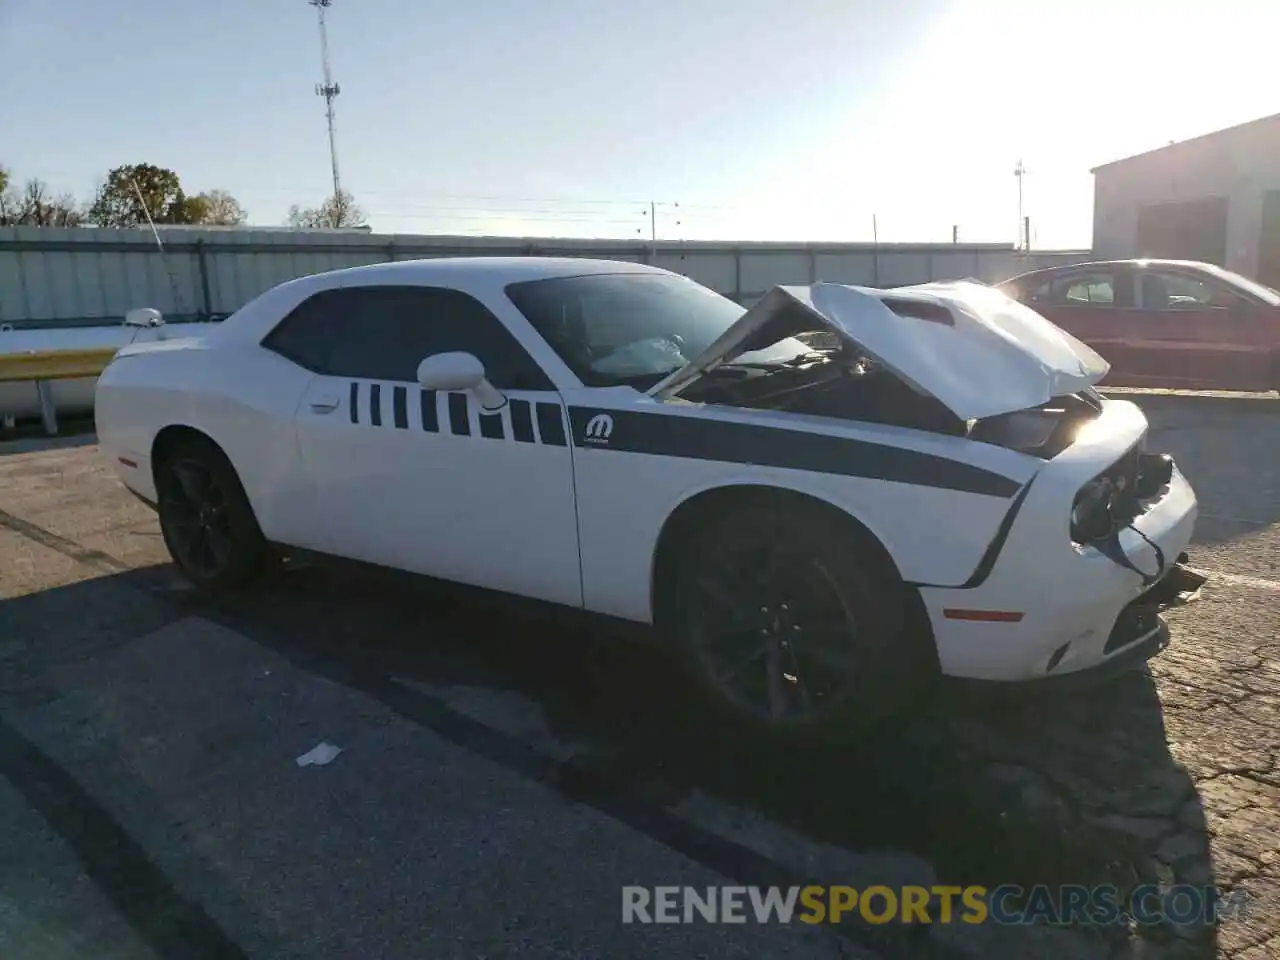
(1140, 632)
(1058, 607)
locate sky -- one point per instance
(819, 120)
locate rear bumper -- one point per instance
(133, 469)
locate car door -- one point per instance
(1095, 305)
(426, 481)
(1198, 333)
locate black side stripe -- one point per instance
(521, 421)
(551, 424)
(697, 439)
(491, 426)
(992, 553)
(427, 404)
(459, 422)
(550, 419)
(399, 397)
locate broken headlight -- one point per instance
(1091, 518)
(1155, 471)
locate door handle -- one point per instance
(326, 404)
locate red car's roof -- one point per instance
(1240, 282)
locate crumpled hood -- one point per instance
(976, 350)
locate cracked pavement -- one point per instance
(541, 763)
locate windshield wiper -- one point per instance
(813, 356)
(799, 360)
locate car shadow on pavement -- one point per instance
(989, 790)
(1020, 789)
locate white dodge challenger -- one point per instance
(819, 500)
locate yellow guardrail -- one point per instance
(54, 364)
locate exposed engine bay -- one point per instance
(838, 382)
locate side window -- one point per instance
(305, 334)
(384, 332)
(1083, 290)
(1179, 291)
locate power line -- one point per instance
(445, 201)
(500, 198)
(549, 211)
(629, 221)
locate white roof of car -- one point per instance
(508, 269)
(475, 275)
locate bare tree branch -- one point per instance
(339, 210)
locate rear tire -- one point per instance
(206, 520)
(791, 625)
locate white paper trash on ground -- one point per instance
(319, 755)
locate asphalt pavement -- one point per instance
(505, 771)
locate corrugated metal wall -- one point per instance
(76, 277)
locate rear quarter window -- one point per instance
(304, 335)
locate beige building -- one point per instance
(1213, 198)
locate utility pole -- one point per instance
(875, 251)
(1020, 171)
(329, 90)
(653, 222)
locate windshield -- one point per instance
(1258, 290)
(631, 328)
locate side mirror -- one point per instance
(460, 371)
(146, 317)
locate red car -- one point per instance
(1164, 323)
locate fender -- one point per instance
(633, 468)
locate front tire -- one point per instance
(791, 624)
(206, 520)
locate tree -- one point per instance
(39, 208)
(7, 200)
(339, 210)
(216, 207)
(195, 209)
(117, 204)
(35, 206)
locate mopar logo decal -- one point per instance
(598, 428)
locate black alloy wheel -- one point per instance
(205, 518)
(775, 636)
(196, 517)
(790, 626)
